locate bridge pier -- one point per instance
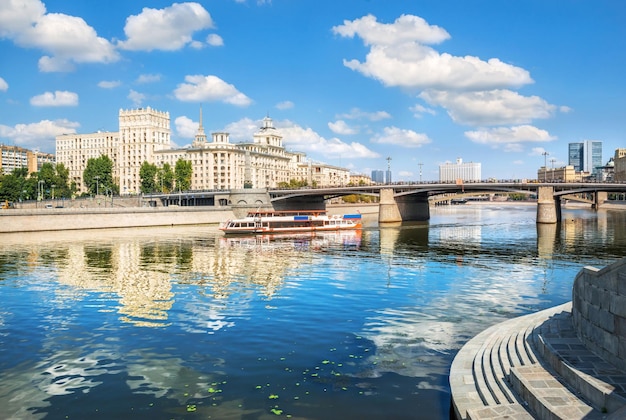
(388, 211)
(599, 197)
(547, 206)
(407, 208)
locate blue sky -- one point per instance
(348, 82)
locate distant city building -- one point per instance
(607, 172)
(378, 176)
(452, 172)
(563, 174)
(575, 156)
(74, 150)
(619, 165)
(144, 136)
(585, 156)
(360, 179)
(14, 157)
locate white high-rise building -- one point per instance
(142, 133)
(459, 171)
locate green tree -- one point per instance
(98, 175)
(13, 185)
(147, 177)
(166, 178)
(293, 184)
(63, 189)
(182, 174)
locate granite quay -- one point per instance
(566, 362)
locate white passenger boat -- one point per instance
(291, 221)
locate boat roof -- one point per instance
(260, 213)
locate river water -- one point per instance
(173, 323)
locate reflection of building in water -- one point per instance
(141, 271)
(145, 295)
(458, 233)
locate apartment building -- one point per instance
(217, 164)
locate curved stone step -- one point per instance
(596, 380)
(480, 372)
(547, 397)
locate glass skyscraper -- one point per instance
(585, 156)
(378, 176)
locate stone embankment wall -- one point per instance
(41, 220)
(599, 311)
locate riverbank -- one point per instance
(43, 220)
(79, 218)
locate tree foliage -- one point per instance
(166, 178)
(147, 176)
(50, 181)
(294, 183)
(98, 175)
(182, 174)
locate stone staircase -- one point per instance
(534, 367)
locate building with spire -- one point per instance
(217, 164)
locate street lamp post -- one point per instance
(420, 165)
(40, 190)
(97, 181)
(545, 165)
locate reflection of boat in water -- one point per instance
(291, 221)
(294, 241)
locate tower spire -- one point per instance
(200, 139)
(200, 127)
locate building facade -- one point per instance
(564, 174)
(460, 171)
(619, 165)
(74, 150)
(217, 164)
(586, 156)
(378, 176)
(14, 157)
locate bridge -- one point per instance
(410, 202)
(399, 202)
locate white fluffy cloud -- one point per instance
(210, 88)
(109, 84)
(40, 135)
(4, 86)
(357, 114)
(399, 56)
(57, 98)
(473, 91)
(148, 78)
(285, 105)
(165, 29)
(214, 40)
(504, 135)
(306, 140)
(297, 138)
(340, 127)
(67, 39)
(185, 127)
(419, 110)
(407, 28)
(494, 107)
(401, 137)
(136, 97)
